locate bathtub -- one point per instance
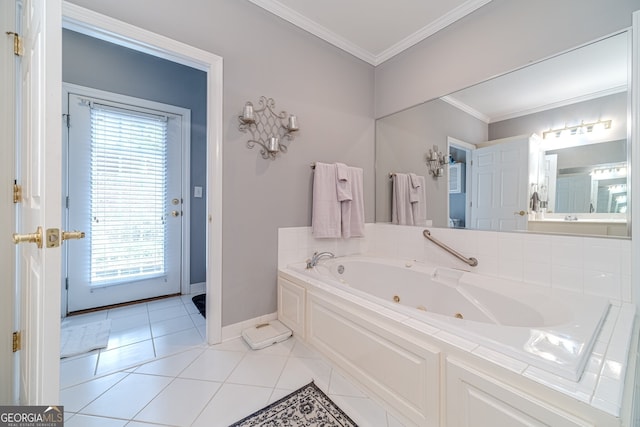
(552, 330)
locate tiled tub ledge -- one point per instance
(440, 377)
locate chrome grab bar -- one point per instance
(471, 261)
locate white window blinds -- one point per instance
(128, 195)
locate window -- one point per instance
(128, 189)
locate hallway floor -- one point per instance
(160, 373)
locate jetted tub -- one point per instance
(550, 329)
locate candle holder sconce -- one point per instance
(435, 162)
(267, 128)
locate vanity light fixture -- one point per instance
(267, 128)
(435, 162)
(577, 129)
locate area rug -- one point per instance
(308, 407)
(200, 301)
(81, 339)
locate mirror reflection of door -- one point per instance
(500, 194)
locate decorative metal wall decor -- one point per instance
(267, 128)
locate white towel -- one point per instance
(418, 198)
(416, 186)
(353, 210)
(325, 217)
(343, 185)
(401, 209)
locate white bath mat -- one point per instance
(81, 339)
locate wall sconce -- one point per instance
(574, 130)
(435, 162)
(268, 128)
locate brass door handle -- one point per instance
(69, 235)
(29, 237)
(521, 213)
(55, 238)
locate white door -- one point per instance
(125, 193)
(38, 171)
(500, 178)
(573, 193)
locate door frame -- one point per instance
(8, 389)
(185, 166)
(468, 148)
(99, 26)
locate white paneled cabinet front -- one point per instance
(291, 306)
(401, 370)
(474, 399)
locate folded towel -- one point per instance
(343, 185)
(325, 216)
(401, 212)
(418, 198)
(415, 188)
(352, 210)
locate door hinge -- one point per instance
(67, 119)
(17, 192)
(17, 341)
(17, 43)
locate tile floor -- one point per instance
(157, 371)
(139, 333)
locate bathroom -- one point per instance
(337, 99)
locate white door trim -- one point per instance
(8, 293)
(635, 157)
(468, 147)
(103, 27)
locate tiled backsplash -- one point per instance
(597, 266)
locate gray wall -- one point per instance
(333, 95)
(93, 63)
(501, 36)
(612, 107)
(587, 156)
(329, 90)
(402, 143)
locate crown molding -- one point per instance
(437, 25)
(563, 103)
(314, 28)
(329, 36)
(466, 108)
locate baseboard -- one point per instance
(197, 288)
(230, 332)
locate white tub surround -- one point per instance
(433, 374)
(551, 330)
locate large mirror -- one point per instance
(544, 148)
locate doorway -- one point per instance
(460, 171)
(92, 24)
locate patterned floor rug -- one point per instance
(306, 407)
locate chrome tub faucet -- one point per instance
(313, 261)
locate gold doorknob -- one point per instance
(521, 213)
(69, 235)
(175, 213)
(29, 238)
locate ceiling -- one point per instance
(376, 30)
(588, 72)
(372, 30)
